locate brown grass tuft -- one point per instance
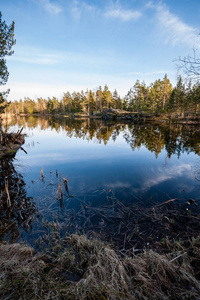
(90, 269)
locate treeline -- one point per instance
(158, 97)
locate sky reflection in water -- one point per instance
(97, 158)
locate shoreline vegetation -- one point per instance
(112, 114)
(91, 269)
(88, 268)
(85, 266)
(158, 102)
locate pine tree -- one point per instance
(99, 99)
(106, 97)
(6, 42)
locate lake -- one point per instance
(104, 163)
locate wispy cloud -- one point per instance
(76, 11)
(117, 184)
(114, 11)
(117, 12)
(174, 29)
(52, 8)
(145, 73)
(40, 56)
(80, 7)
(34, 56)
(157, 176)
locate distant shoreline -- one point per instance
(120, 115)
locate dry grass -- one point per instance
(90, 269)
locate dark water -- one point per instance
(134, 163)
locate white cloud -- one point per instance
(76, 11)
(158, 176)
(117, 184)
(41, 56)
(174, 29)
(80, 7)
(146, 73)
(39, 59)
(88, 7)
(114, 11)
(117, 12)
(52, 8)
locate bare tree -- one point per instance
(190, 65)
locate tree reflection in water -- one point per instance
(174, 138)
(76, 214)
(16, 209)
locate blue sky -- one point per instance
(74, 45)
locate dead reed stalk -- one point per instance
(8, 195)
(42, 173)
(59, 191)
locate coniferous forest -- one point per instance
(159, 97)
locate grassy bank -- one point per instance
(83, 268)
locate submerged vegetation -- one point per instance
(16, 208)
(158, 257)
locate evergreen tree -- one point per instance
(6, 43)
(115, 97)
(166, 92)
(67, 102)
(76, 101)
(106, 97)
(89, 103)
(137, 97)
(178, 97)
(99, 99)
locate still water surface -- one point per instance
(143, 164)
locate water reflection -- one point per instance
(174, 138)
(16, 209)
(107, 165)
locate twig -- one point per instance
(23, 150)
(178, 256)
(168, 201)
(19, 132)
